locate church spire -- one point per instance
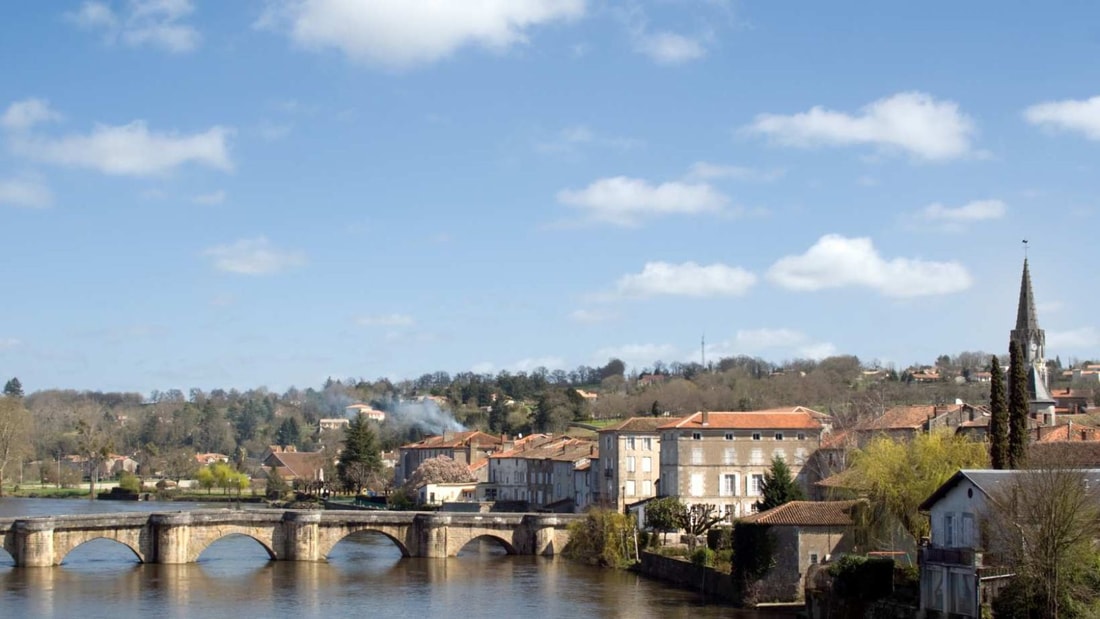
(1026, 318)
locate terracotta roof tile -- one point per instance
(458, 439)
(808, 513)
(906, 417)
(640, 424)
(794, 418)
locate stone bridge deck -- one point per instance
(293, 535)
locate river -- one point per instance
(364, 575)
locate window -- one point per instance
(630, 487)
(630, 464)
(778, 436)
(696, 484)
(729, 484)
(801, 436)
(647, 464)
(696, 455)
(949, 530)
(729, 456)
(647, 488)
(647, 443)
(755, 483)
(695, 436)
(630, 442)
(756, 436)
(729, 436)
(813, 558)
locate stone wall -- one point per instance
(706, 580)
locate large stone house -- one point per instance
(720, 458)
(630, 460)
(469, 448)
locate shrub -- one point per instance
(604, 538)
(703, 556)
(129, 482)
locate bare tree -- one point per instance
(1044, 523)
(15, 424)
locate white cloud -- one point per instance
(669, 48)
(570, 140)
(910, 121)
(26, 192)
(386, 320)
(400, 34)
(214, 197)
(956, 219)
(687, 279)
(1071, 115)
(591, 317)
(484, 367)
(1084, 337)
(704, 171)
(637, 355)
(836, 261)
(624, 201)
(130, 149)
(9, 343)
(782, 341)
(533, 363)
(156, 23)
(25, 114)
(254, 257)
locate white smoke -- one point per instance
(424, 415)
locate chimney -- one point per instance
(706, 418)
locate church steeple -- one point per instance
(1026, 318)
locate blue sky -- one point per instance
(234, 194)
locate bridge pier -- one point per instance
(301, 532)
(171, 535)
(432, 536)
(34, 543)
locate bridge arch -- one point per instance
(203, 541)
(68, 546)
(329, 537)
(490, 537)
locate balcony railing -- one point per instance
(951, 556)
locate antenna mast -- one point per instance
(703, 350)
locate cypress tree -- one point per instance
(998, 418)
(778, 487)
(1017, 409)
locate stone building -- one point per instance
(719, 458)
(630, 460)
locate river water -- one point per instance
(365, 575)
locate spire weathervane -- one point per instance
(1025, 249)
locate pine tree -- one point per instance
(1017, 409)
(998, 418)
(13, 388)
(779, 486)
(289, 433)
(360, 459)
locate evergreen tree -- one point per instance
(13, 388)
(289, 433)
(998, 418)
(1017, 409)
(360, 459)
(779, 486)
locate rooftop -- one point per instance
(796, 418)
(808, 514)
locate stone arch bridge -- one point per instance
(180, 537)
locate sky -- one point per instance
(199, 193)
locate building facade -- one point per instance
(630, 460)
(720, 458)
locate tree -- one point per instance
(15, 427)
(779, 486)
(1044, 524)
(1017, 408)
(439, 470)
(998, 418)
(289, 432)
(664, 514)
(94, 445)
(360, 458)
(697, 520)
(897, 477)
(13, 388)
